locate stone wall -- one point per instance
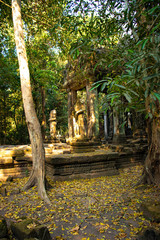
(61, 164)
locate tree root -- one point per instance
(146, 178)
(32, 181)
(141, 181)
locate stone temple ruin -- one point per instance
(83, 112)
(83, 154)
(83, 118)
(53, 138)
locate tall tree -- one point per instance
(147, 17)
(37, 175)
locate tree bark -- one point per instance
(151, 172)
(37, 175)
(43, 113)
(92, 113)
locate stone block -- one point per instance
(28, 229)
(67, 151)
(6, 160)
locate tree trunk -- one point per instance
(43, 113)
(151, 173)
(92, 112)
(37, 175)
(72, 95)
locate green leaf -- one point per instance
(128, 97)
(144, 43)
(95, 86)
(146, 93)
(139, 42)
(96, 65)
(151, 76)
(157, 95)
(151, 11)
(155, 27)
(103, 86)
(134, 92)
(131, 51)
(120, 86)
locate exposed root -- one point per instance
(141, 181)
(150, 179)
(43, 195)
(42, 191)
(32, 181)
(146, 178)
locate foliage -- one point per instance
(118, 41)
(138, 60)
(12, 128)
(46, 69)
(46, 72)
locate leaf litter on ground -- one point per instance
(98, 208)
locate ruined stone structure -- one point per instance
(119, 135)
(53, 124)
(53, 132)
(83, 117)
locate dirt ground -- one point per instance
(87, 209)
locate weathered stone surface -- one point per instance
(29, 228)
(6, 160)
(76, 158)
(151, 210)
(3, 228)
(11, 152)
(61, 162)
(82, 165)
(66, 152)
(149, 234)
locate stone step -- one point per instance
(14, 172)
(6, 160)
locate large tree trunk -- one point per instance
(151, 173)
(37, 175)
(43, 113)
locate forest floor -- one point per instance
(87, 209)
